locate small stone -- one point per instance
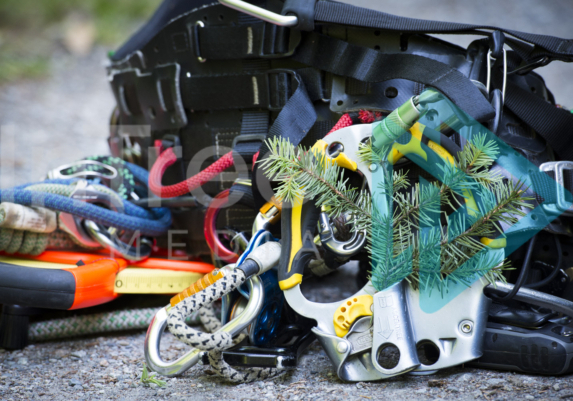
(495, 383)
(453, 389)
(101, 392)
(22, 361)
(78, 354)
(529, 397)
(123, 343)
(61, 353)
(75, 382)
(329, 374)
(436, 383)
(556, 387)
(103, 363)
(466, 377)
(420, 391)
(199, 385)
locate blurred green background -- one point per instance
(31, 30)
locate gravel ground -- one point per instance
(105, 368)
(46, 123)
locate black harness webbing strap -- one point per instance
(254, 130)
(341, 58)
(295, 119)
(222, 92)
(340, 13)
(293, 123)
(552, 123)
(243, 41)
(242, 194)
(267, 90)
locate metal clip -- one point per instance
(108, 238)
(261, 13)
(57, 173)
(268, 215)
(497, 40)
(561, 205)
(234, 327)
(343, 249)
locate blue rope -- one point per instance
(128, 207)
(159, 224)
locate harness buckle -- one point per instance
(108, 173)
(561, 205)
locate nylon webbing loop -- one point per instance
(269, 90)
(341, 58)
(254, 130)
(258, 40)
(340, 13)
(552, 123)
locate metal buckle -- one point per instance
(524, 69)
(248, 138)
(57, 173)
(110, 241)
(234, 327)
(261, 13)
(562, 206)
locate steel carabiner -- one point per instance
(180, 365)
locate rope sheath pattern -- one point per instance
(214, 343)
(91, 324)
(158, 226)
(167, 158)
(195, 338)
(30, 243)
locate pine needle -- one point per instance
(410, 242)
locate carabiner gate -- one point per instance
(234, 327)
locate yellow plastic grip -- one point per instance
(349, 311)
(342, 160)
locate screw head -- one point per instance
(466, 326)
(342, 347)
(373, 167)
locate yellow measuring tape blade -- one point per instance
(135, 280)
(35, 263)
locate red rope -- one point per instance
(167, 158)
(345, 121)
(368, 117)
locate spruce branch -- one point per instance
(410, 242)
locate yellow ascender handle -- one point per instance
(414, 147)
(342, 160)
(298, 223)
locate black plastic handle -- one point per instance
(298, 226)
